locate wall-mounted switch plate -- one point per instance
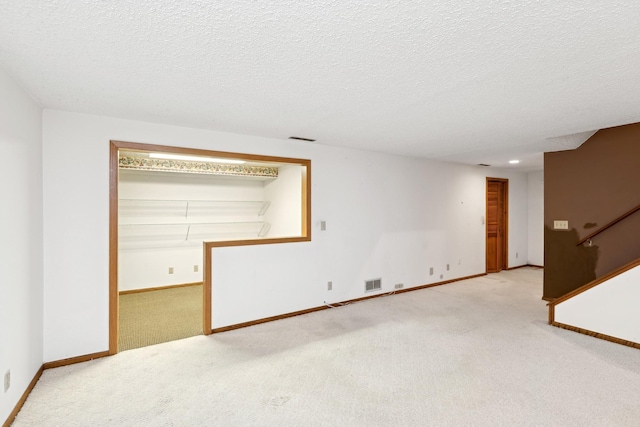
(323, 225)
(195, 268)
(560, 225)
(170, 270)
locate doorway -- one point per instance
(497, 231)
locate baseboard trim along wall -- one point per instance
(158, 288)
(324, 307)
(23, 399)
(72, 360)
(524, 265)
(596, 335)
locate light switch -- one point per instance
(560, 225)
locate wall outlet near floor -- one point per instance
(329, 286)
(7, 380)
(399, 285)
(170, 270)
(447, 267)
(516, 254)
(430, 271)
(195, 268)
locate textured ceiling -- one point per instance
(468, 81)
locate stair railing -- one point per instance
(609, 225)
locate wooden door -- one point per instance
(497, 232)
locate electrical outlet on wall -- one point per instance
(170, 270)
(195, 268)
(329, 286)
(430, 271)
(7, 380)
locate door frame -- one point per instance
(505, 219)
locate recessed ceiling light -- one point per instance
(168, 156)
(514, 162)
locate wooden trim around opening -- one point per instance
(23, 398)
(324, 307)
(597, 335)
(115, 146)
(158, 288)
(206, 289)
(137, 146)
(113, 248)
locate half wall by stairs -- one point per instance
(606, 308)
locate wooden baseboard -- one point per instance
(77, 359)
(324, 307)
(23, 398)
(158, 288)
(524, 265)
(597, 335)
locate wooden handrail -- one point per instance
(611, 224)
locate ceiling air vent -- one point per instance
(373, 285)
(299, 138)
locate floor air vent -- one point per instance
(373, 285)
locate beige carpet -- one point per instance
(154, 317)
(472, 353)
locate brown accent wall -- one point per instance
(589, 187)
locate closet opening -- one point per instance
(166, 204)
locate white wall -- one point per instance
(285, 194)
(518, 221)
(387, 216)
(20, 240)
(536, 218)
(611, 308)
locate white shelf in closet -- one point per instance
(149, 223)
